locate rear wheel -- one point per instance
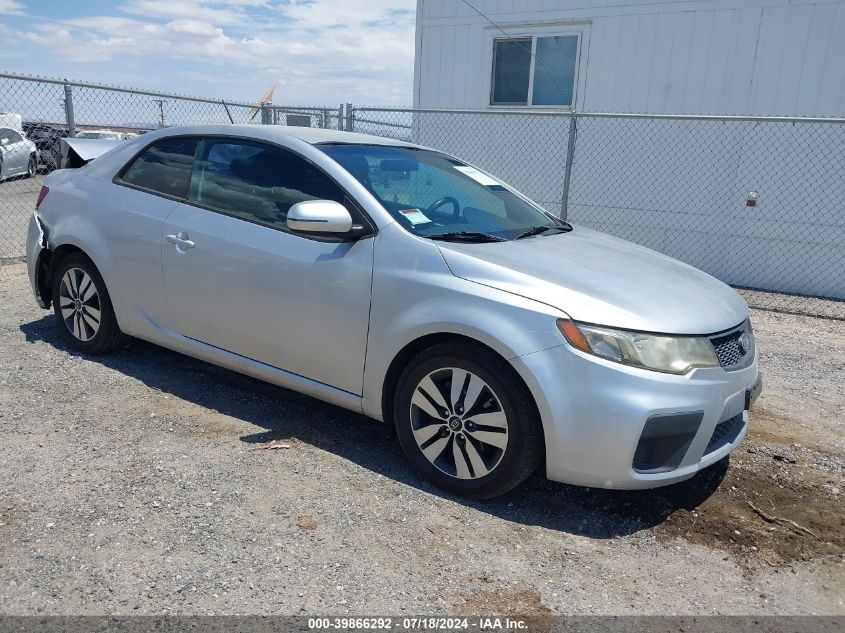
(83, 309)
(466, 421)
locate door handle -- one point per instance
(180, 239)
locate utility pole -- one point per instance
(161, 103)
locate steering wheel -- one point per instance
(456, 206)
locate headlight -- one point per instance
(670, 354)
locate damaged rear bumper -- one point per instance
(36, 263)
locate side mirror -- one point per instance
(319, 216)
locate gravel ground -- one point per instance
(139, 483)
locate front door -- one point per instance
(237, 279)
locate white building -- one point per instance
(678, 186)
(676, 56)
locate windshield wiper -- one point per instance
(466, 236)
(564, 227)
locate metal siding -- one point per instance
(686, 56)
(819, 36)
(684, 25)
(698, 60)
(831, 90)
(622, 78)
(661, 60)
(643, 61)
(474, 83)
(447, 55)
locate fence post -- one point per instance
(325, 119)
(340, 118)
(350, 118)
(229, 114)
(266, 113)
(69, 118)
(570, 154)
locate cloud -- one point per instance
(359, 50)
(319, 51)
(11, 7)
(222, 13)
(347, 14)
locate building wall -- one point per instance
(678, 187)
(682, 57)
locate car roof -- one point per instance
(309, 135)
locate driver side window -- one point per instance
(256, 182)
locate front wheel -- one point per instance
(466, 422)
(83, 309)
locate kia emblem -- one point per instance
(743, 343)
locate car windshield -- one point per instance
(437, 196)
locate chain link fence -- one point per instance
(46, 110)
(758, 202)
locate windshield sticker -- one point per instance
(477, 176)
(415, 216)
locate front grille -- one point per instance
(725, 433)
(732, 352)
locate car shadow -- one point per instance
(285, 414)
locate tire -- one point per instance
(481, 449)
(76, 307)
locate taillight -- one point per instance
(41, 195)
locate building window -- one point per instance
(534, 71)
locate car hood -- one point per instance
(597, 278)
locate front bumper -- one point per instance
(595, 413)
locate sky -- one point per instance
(320, 52)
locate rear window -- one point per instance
(164, 167)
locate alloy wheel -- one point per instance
(79, 303)
(459, 423)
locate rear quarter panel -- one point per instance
(120, 229)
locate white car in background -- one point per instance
(18, 155)
(110, 135)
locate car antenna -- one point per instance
(518, 43)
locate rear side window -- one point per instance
(256, 182)
(9, 135)
(164, 167)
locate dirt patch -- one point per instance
(306, 523)
(524, 604)
(781, 483)
(264, 442)
(769, 425)
(9, 514)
